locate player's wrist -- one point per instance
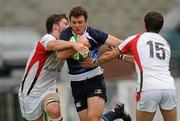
(95, 63)
(122, 57)
(72, 44)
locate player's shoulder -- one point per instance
(92, 30)
(66, 34)
(157, 36)
(47, 37)
(131, 37)
(89, 28)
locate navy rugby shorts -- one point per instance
(81, 90)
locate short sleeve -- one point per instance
(125, 46)
(99, 36)
(46, 38)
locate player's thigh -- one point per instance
(79, 93)
(149, 101)
(147, 105)
(144, 116)
(168, 105)
(95, 106)
(83, 115)
(168, 100)
(169, 115)
(31, 107)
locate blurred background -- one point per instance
(22, 23)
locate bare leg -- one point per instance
(83, 115)
(169, 115)
(95, 108)
(144, 116)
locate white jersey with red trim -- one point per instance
(42, 69)
(151, 55)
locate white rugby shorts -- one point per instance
(152, 99)
(31, 106)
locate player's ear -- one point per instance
(55, 27)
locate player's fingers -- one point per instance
(110, 48)
(81, 51)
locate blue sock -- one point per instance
(110, 116)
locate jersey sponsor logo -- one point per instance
(51, 69)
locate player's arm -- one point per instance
(115, 52)
(58, 45)
(113, 41)
(63, 55)
(107, 57)
(126, 58)
(104, 58)
(111, 55)
(76, 47)
(121, 47)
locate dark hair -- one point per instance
(153, 21)
(78, 11)
(52, 19)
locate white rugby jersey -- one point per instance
(151, 55)
(41, 70)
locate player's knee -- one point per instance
(53, 111)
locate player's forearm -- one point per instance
(58, 45)
(107, 57)
(63, 55)
(127, 58)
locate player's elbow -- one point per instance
(51, 45)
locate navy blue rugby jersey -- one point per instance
(96, 39)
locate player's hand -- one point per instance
(80, 48)
(110, 48)
(83, 40)
(87, 63)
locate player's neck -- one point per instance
(55, 34)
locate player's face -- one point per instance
(78, 24)
(63, 24)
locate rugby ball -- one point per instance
(77, 56)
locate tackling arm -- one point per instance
(76, 47)
(65, 49)
(126, 58)
(107, 57)
(58, 45)
(63, 55)
(104, 58)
